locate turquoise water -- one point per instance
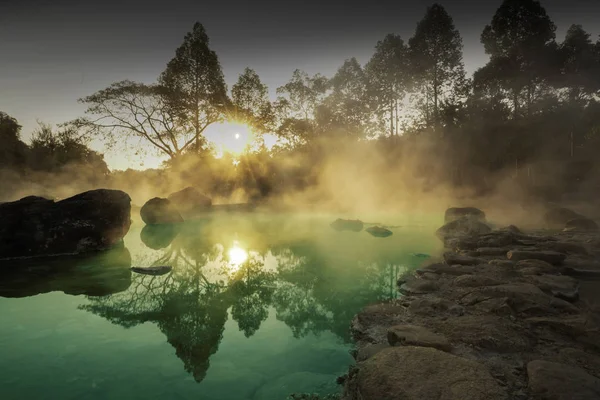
(256, 307)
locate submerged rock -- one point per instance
(417, 373)
(158, 270)
(90, 221)
(455, 213)
(159, 237)
(190, 200)
(347, 225)
(379, 232)
(159, 211)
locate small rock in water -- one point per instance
(159, 270)
(455, 213)
(158, 211)
(347, 225)
(379, 232)
(420, 255)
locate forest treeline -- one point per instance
(531, 114)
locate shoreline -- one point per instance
(504, 315)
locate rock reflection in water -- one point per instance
(312, 288)
(98, 274)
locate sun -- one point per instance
(230, 137)
(237, 255)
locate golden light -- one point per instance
(229, 137)
(237, 255)
(237, 135)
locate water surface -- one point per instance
(256, 307)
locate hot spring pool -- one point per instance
(257, 307)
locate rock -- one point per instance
(297, 382)
(565, 247)
(158, 211)
(418, 286)
(156, 271)
(551, 257)
(91, 221)
(418, 373)
(534, 267)
(441, 269)
(555, 381)
(464, 226)
(475, 281)
(347, 225)
(511, 228)
(413, 335)
(563, 287)
(491, 251)
(379, 232)
(368, 351)
(455, 213)
(457, 259)
(582, 328)
(581, 224)
(434, 307)
(557, 217)
(190, 200)
(490, 332)
(502, 263)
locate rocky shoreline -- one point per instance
(502, 315)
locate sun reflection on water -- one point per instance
(237, 255)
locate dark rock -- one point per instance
(551, 257)
(563, 287)
(91, 221)
(557, 217)
(579, 327)
(418, 373)
(511, 228)
(457, 259)
(414, 335)
(455, 213)
(581, 224)
(190, 200)
(535, 267)
(551, 380)
(502, 263)
(379, 232)
(347, 225)
(464, 226)
(491, 251)
(159, 211)
(565, 247)
(441, 269)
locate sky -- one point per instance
(53, 52)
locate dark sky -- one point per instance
(55, 51)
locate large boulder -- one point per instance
(91, 221)
(465, 226)
(158, 211)
(581, 224)
(550, 380)
(455, 213)
(557, 217)
(190, 200)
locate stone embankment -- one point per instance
(503, 315)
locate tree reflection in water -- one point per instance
(318, 284)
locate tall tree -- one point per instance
(388, 76)
(437, 59)
(520, 42)
(13, 151)
(250, 98)
(195, 84)
(345, 111)
(296, 106)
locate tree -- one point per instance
(296, 105)
(128, 109)
(520, 42)
(195, 85)
(346, 110)
(388, 76)
(437, 60)
(250, 98)
(13, 151)
(580, 66)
